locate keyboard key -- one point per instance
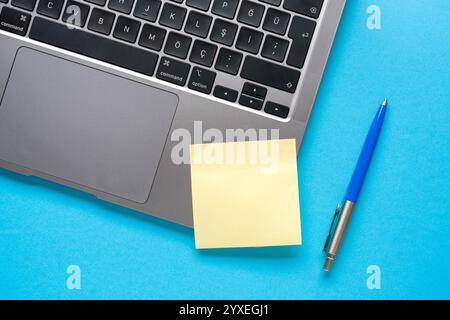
(24, 4)
(203, 53)
(172, 16)
(225, 8)
(101, 21)
(275, 48)
(251, 13)
(177, 45)
(276, 21)
(14, 21)
(225, 93)
(97, 2)
(147, 9)
(202, 80)
(198, 24)
(75, 13)
(94, 46)
(253, 90)
(276, 110)
(199, 4)
(273, 2)
(50, 8)
(270, 74)
(126, 29)
(173, 71)
(251, 102)
(152, 37)
(302, 28)
(310, 8)
(249, 40)
(302, 31)
(228, 61)
(123, 6)
(223, 32)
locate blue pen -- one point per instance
(342, 215)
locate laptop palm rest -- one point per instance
(82, 125)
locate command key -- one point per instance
(14, 21)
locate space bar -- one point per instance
(93, 46)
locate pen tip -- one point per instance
(385, 102)
(327, 265)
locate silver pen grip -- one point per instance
(338, 234)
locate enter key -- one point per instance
(301, 33)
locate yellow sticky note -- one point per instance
(245, 194)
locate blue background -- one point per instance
(402, 222)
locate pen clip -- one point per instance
(332, 227)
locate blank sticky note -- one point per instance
(245, 194)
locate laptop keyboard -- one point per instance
(198, 44)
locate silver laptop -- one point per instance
(98, 94)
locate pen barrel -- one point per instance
(341, 228)
(365, 157)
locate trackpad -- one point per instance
(83, 125)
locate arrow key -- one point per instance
(251, 102)
(225, 93)
(276, 110)
(253, 90)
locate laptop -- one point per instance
(100, 95)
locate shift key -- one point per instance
(270, 74)
(14, 21)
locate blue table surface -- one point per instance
(402, 222)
